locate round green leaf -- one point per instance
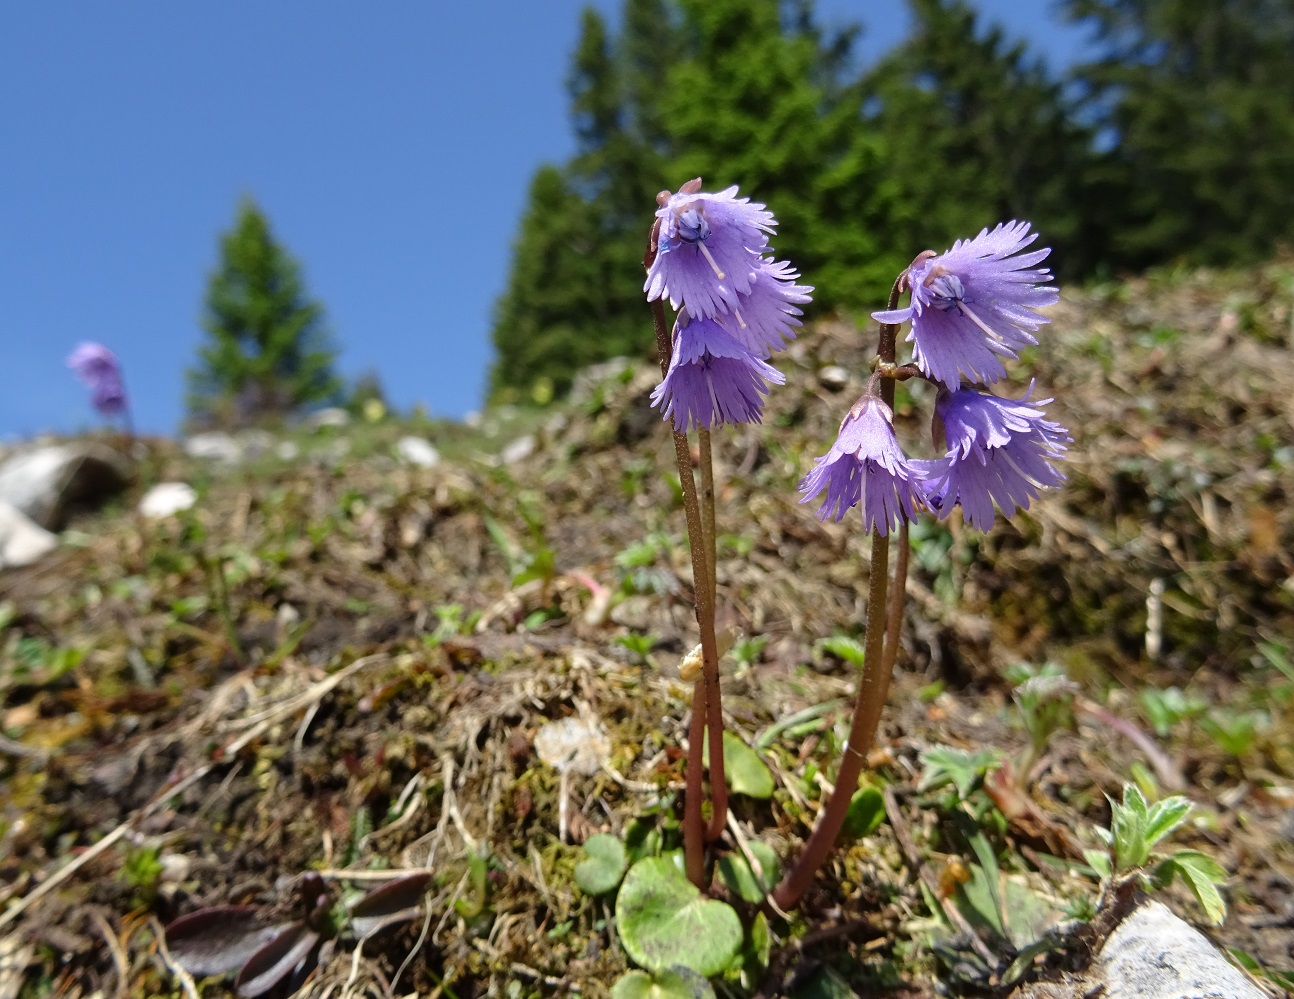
(676, 983)
(747, 774)
(866, 813)
(664, 920)
(603, 865)
(736, 873)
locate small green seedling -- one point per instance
(1234, 731)
(1136, 828)
(1045, 698)
(962, 769)
(603, 866)
(1166, 709)
(843, 647)
(638, 645)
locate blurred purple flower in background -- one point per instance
(1000, 451)
(975, 304)
(97, 366)
(865, 465)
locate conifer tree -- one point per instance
(267, 353)
(975, 131)
(740, 92)
(1196, 100)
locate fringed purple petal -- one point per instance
(765, 318)
(713, 379)
(732, 231)
(866, 467)
(975, 304)
(1000, 451)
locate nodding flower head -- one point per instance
(975, 304)
(866, 467)
(97, 366)
(999, 451)
(765, 318)
(713, 378)
(707, 250)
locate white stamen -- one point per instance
(740, 322)
(992, 334)
(705, 251)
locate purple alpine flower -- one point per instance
(708, 249)
(975, 304)
(865, 465)
(766, 316)
(97, 366)
(1000, 451)
(713, 379)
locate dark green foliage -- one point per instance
(976, 133)
(1197, 99)
(1177, 141)
(267, 352)
(738, 92)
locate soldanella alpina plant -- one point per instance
(971, 310)
(709, 256)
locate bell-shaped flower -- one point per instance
(866, 467)
(97, 366)
(975, 304)
(713, 378)
(765, 318)
(999, 451)
(708, 249)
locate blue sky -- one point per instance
(390, 145)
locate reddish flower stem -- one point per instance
(710, 668)
(873, 685)
(705, 693)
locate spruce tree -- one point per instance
(1196, 100)
(739, 92)
(976, 132)
(267, 353)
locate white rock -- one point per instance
(1154, 955)
(577, 745)
(167, 498)
(21, 541)
(833, 377)
(417, 451)
(333, 416)
(216, 446)
(43, 482)
(256, 442)
(518, 450)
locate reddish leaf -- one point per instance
(217, 940)
(394, 902)
(276, 960)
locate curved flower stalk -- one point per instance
(975, 304)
